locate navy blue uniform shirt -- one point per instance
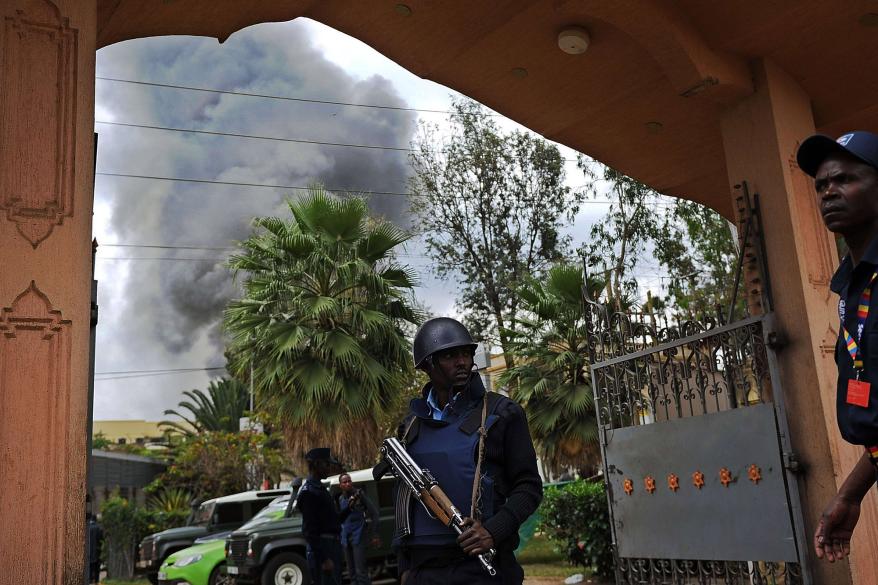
(858, 425)
(319, 516)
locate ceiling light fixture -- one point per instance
(574, 40)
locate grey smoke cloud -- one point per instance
(160, 313)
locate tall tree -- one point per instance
(491, 205)
(220, 409)
(698, 248)
(619, 241)
(551, 377)
(322, 323)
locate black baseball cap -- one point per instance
(859, 144)
(321, 454)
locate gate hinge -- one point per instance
(791, 462)
(775, 341)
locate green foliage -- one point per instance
(550, 376)
(492, 206)
(125, 524)
(220, 409)
(219, 463)
(576, 518)
(693, 243)
(322, 322)
(619, 241)
(697, 248)
(170, 500)
(100, 441)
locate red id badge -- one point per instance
(858, 393)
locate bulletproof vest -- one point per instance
(448, 449)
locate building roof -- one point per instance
(645, 98)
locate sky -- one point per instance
(162, 243)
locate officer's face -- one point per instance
(452, 367)
(847, 192)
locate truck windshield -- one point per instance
(202, 515)
(272, 511)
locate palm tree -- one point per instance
(220, 409)
(322, 323)
(551, 377)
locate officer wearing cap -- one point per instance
(845, 175)
(321, 523)
(460, 432)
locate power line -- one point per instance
(278, 97)
(302, 188)
(164, 247)
(160, 370)
(237, 184)
(254, 137)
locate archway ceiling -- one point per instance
(678, 63)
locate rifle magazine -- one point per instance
(403, 510)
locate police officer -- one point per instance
(845, 175)
(459, 432)
(321, 523)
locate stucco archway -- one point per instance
(733, 87)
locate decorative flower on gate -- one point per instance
(673, 482)
(628, 486)
(649, 482)
(725, 476)
(698, 479)
(754, 473)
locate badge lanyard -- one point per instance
(853, 345)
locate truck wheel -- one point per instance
(286, 569)
(219, 576)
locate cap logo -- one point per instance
(843, 140)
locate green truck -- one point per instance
(204, 563)
(273, 552)
(211, 517)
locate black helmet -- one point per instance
(438, 334)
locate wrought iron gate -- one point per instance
(696, 450)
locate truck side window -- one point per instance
(257, 505)
(227, 513)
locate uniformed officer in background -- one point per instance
(460, 432)
(845, 175)
(321, 523)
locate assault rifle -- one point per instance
(423, 486)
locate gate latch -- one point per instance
(791, 462)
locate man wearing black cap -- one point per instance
(321, 524)
(460, 432)
(845, 175)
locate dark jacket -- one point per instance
(509, 452)
(858, 424)
(319, 514)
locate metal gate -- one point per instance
(695, 447)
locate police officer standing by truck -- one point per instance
(321, 523)
(478, 447)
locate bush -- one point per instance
(125, 524)
(576, 518)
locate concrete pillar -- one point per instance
(47, 56)
(760, 137)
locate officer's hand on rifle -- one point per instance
(476, 539)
